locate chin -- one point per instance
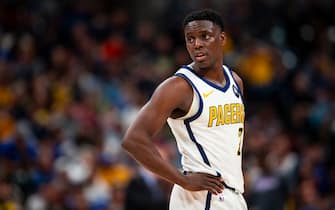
(202, 65)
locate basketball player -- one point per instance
(203, 106)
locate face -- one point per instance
(204, 42)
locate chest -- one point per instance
(221, 108)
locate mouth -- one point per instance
(200, 56)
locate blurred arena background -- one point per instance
(73, 75)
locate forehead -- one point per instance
(200, 25)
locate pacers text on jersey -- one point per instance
(226, 114)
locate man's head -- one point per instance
(205, 14)
(204, 37)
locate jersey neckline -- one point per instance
(212, 84)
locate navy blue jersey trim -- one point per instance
(238, 86)
(223, 89)
(190, 133)
(208, 201)
(200, 148)
(190, 119)
(196, 90)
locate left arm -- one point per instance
(239, 81)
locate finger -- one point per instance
(214, 189)
(214, 186)
(216, 180)
(211, 188)
(219, 178)
(208, 182)
(211, 183)
(219, 184)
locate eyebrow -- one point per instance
(200, 31)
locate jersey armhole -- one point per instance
(233, 78)
(194, 108)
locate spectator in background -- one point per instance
(269, 190)
(54, 54)
(8, 196)
(145, 192)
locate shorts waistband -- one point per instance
(224, 184)
(231, 188)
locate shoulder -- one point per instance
(173, 93)
(239, 80)
(174, 85)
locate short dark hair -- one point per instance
(204, 14)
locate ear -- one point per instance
(223, 38)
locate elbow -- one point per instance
(133, 140)
(128, 144)
(125, 144)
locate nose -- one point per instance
(198, 43)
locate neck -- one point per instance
(213, 73)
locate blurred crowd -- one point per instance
(73, 74)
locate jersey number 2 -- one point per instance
(240, 137)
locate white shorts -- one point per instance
(182, 199)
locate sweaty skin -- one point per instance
(173, 98)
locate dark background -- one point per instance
(73, 75)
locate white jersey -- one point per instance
(210, 136)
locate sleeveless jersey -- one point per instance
(210, 136)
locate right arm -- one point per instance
(174, 93)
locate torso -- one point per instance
(210, 135)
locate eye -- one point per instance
(205, 36)
(190, 39)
